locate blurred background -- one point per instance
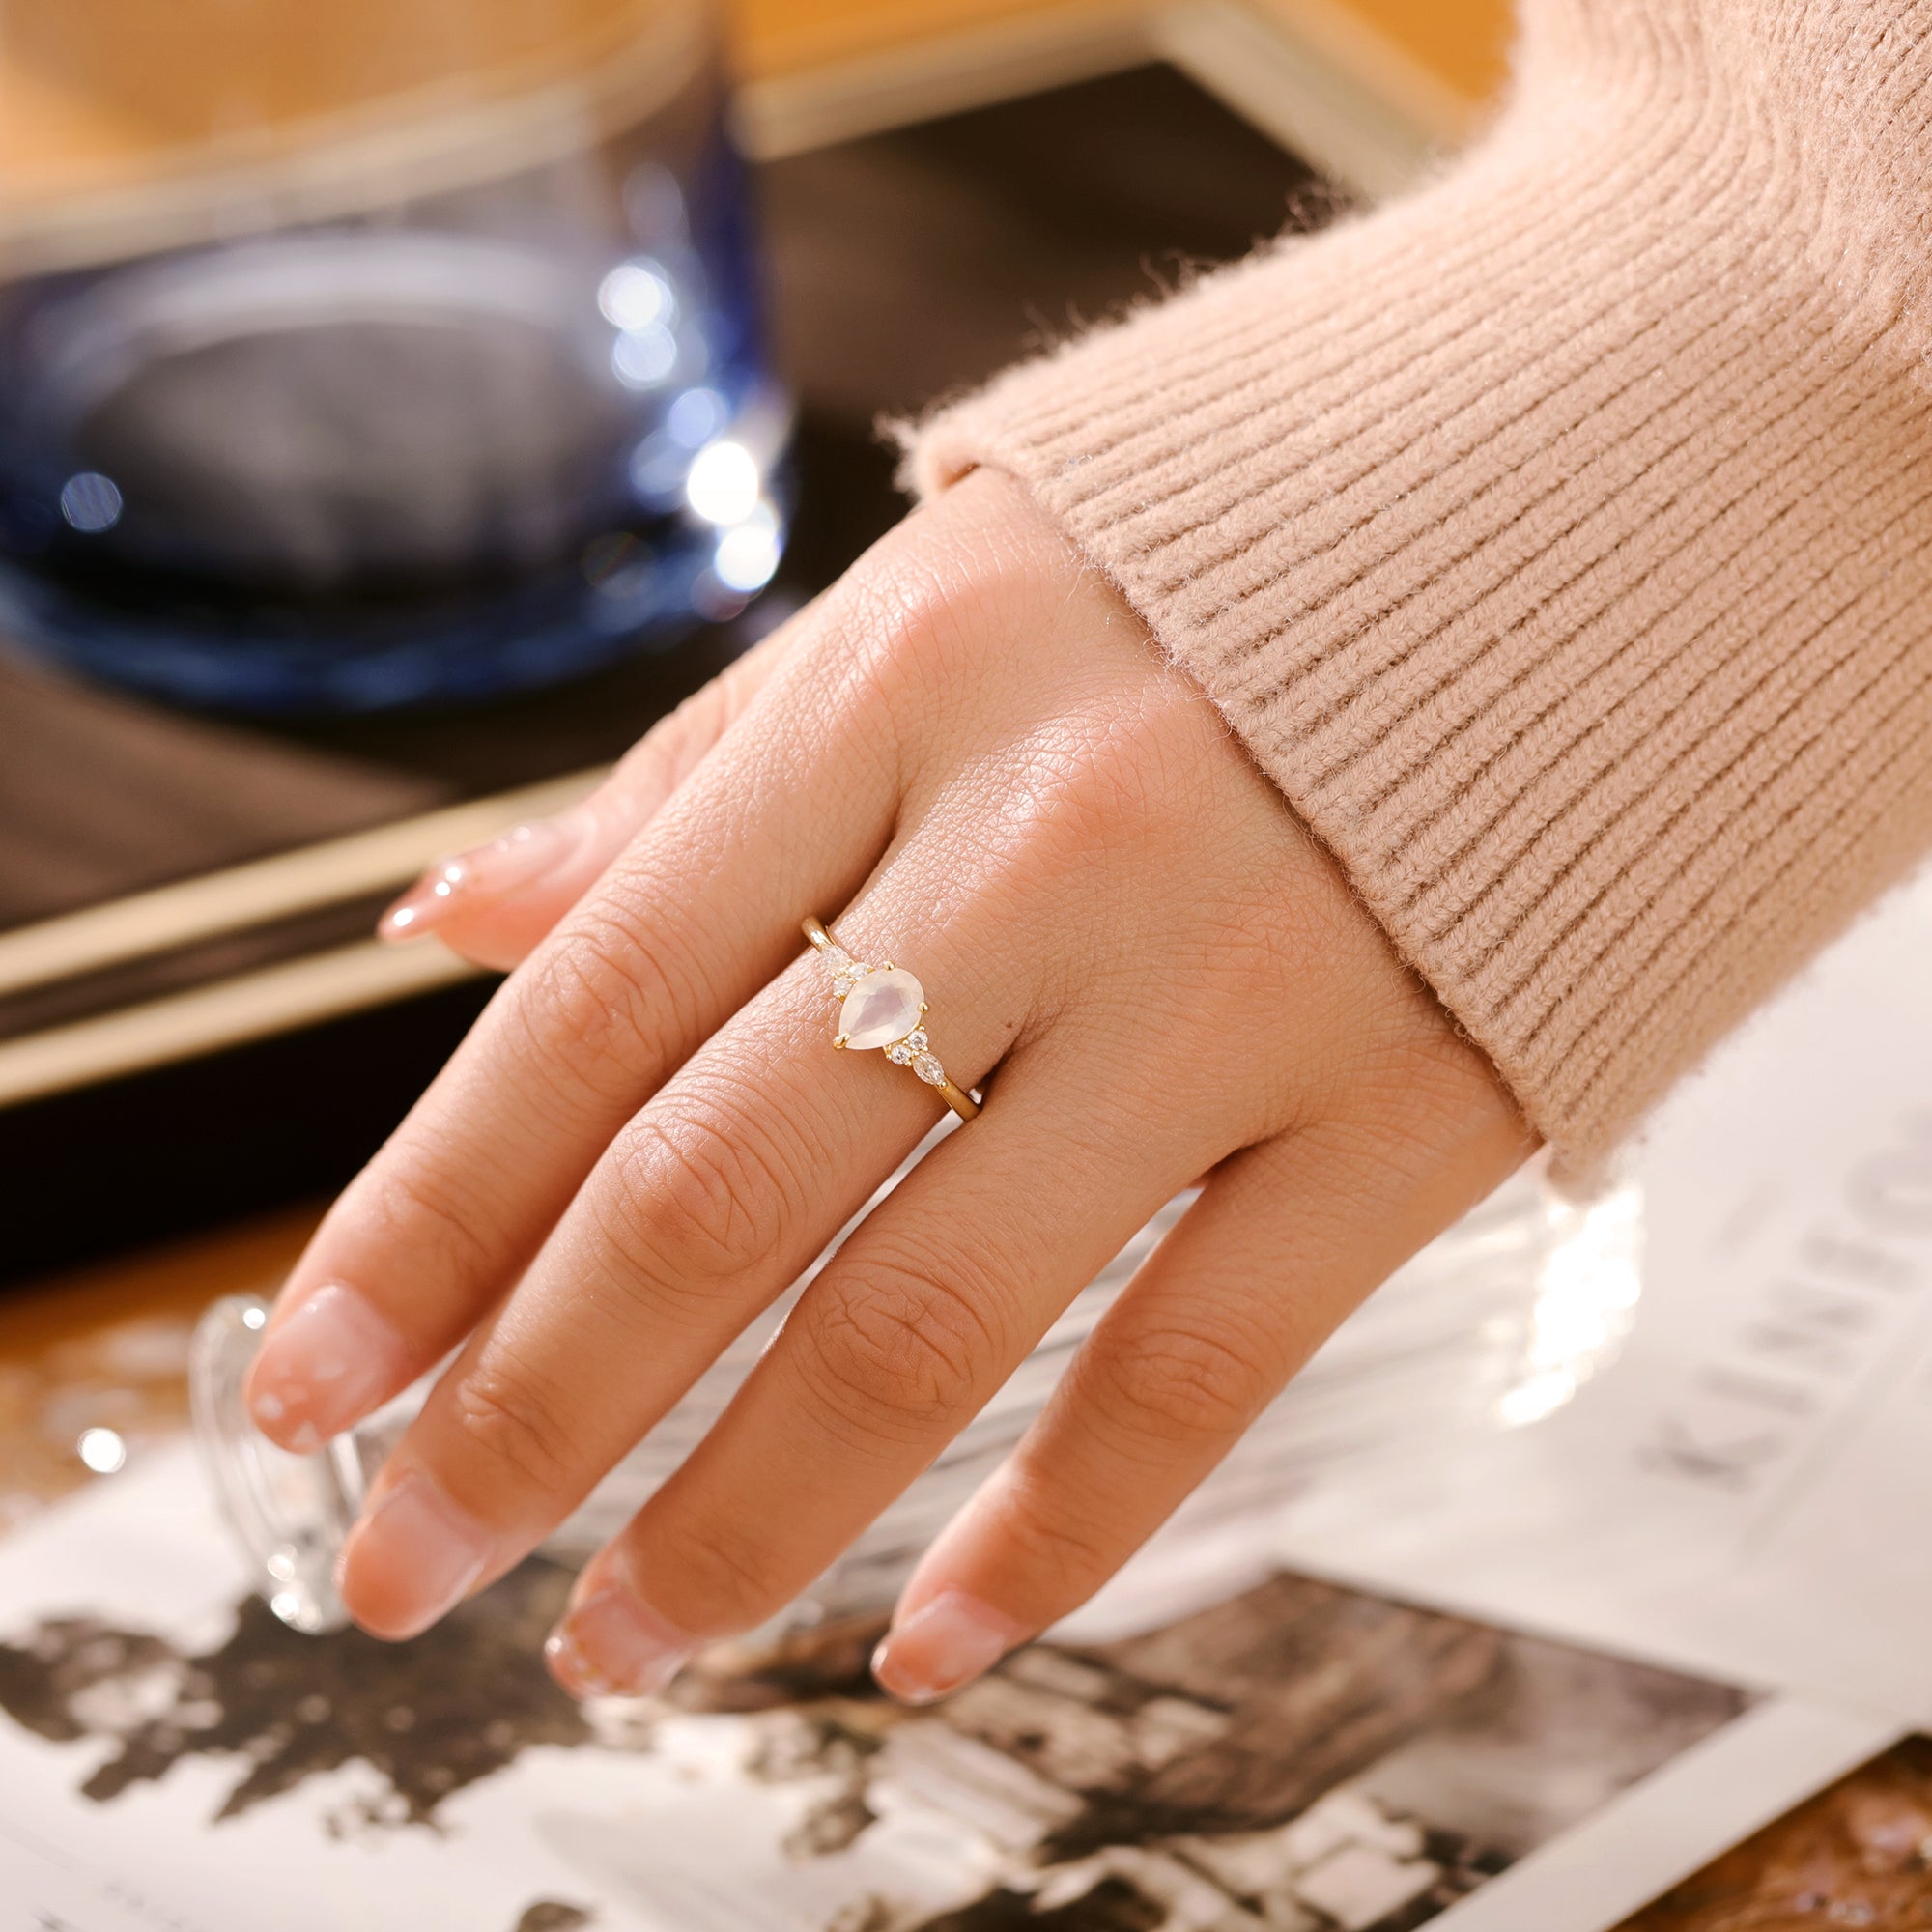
(403, 405)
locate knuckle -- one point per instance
(702, 1191)
(516, 1429)
(1114, 774)
(592, 997)
(889, 656)
(1048, 1535)
(897, 1348)
(1125, 771)
(1181, 1387)
(873, 611)
(721, 1567)
(407, 1205)
(937, 611)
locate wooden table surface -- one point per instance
(106, 1348)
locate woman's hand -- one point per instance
(969, 757)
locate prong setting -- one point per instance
(885, 1006)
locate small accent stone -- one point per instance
(930, 1070)
(900, 1053)
(882, 1008)
(914, 1040)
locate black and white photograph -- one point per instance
(1299, 1756)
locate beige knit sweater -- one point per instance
(1560, 537)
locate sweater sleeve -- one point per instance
(1557, 537)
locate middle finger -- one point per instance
(706, 1206)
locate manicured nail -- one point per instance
(328, 1364)
(611, 1644)
(941, 1646)
(413, 1556)
(520, 856)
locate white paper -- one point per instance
(1748, 1488)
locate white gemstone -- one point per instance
(915, 1042)
(899, 1053)
(882, 1008)
(928, 1069)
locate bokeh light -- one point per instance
(634, 295)
(102, 1450)
(724, 485)
(91, 502)
(747, 554)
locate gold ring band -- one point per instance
(885, 1006)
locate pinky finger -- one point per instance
(1286, 1241)
(493, 905)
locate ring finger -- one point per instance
(704, 1207)
(913, 1325)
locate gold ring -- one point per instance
(885, 1006)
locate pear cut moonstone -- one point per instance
(882, 1008)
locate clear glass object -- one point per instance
(371, 353)
(1493, 1325)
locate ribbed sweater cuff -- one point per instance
(1557, 539)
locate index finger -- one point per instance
(685, 928)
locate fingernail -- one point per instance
(328, 1364)
(612, 1644)
(520, 856)
(941, 1646)
(413, 1556)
